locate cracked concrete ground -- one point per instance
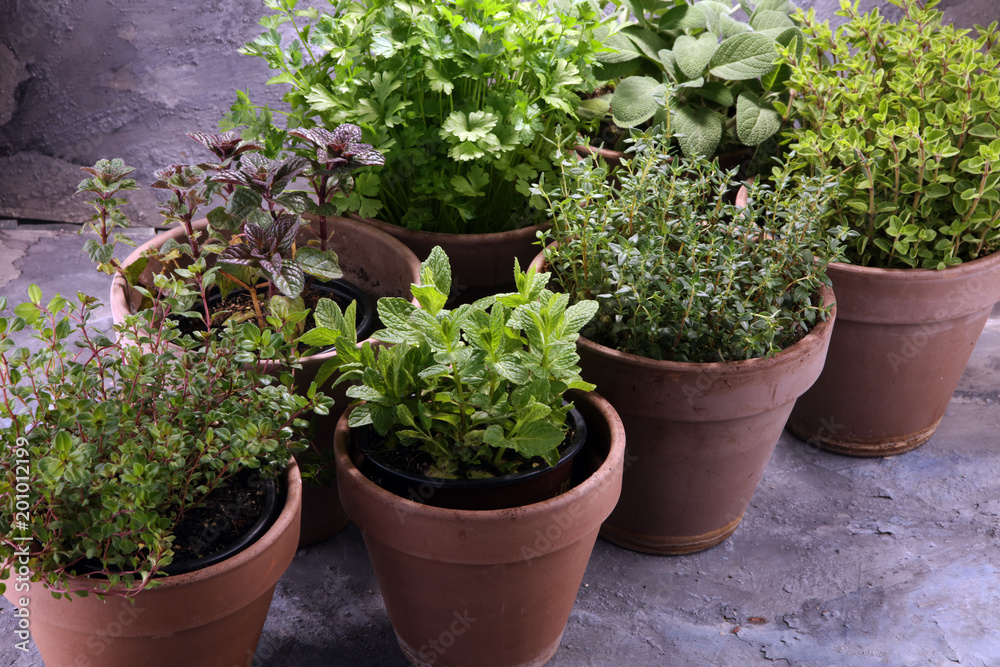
(839, 561)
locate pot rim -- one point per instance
(449, 238)
(288, 515)
(915, 273)
(603, 475)
(464, 483)
(119, 301)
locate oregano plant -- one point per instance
(907, 113)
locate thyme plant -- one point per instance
(681, 274)
(908, 115)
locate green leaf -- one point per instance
(579, 314)
(243, 202)
(537, 438)
(320, 263)
(730, 26)
(623, 49)
(635, 100)
(469, 127)
(755, 122)
(594, 107)
(742, 57)
(27, 311)
(717, 92)
(684, 17)
(769, 19)
(698, 130)
(430, 298)
(693, 55)
(436, 270)
(935, 190)
(984, 130)
(647, 41)
(438, 82)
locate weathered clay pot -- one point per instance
(699, 437)
(481, 264)
(903, 339)
(490, 588)
(211, 617)
(378, 264)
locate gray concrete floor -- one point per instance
(839, 561)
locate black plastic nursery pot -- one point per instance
(493, 493)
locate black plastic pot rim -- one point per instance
(579, 438)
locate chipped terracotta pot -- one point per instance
(902, 341)
(206, 618)
(378, 264)
(481, 264)
(490, 588)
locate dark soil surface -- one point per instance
(228, 513)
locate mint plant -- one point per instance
(113, 440)
(478, 389)
(468, 101)
(680, 274)
(908, 115)
(706, 78)
(253, 233)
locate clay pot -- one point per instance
(378, 264)
(481, 264)
(491, 588)
(211, 617)
(699, 437)
(612, 158)
(903, 339)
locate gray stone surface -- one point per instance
(839, 561)
(111, 78)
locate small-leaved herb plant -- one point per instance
(108, 443)
(478, 389)
(705, 77)
(681, 274)
(908, 115)
(469, 99)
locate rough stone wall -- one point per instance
(105, 78)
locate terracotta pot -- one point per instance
(903, 339)
(699, 437)
(612, 158)
(488, 588)
(373, 261)
(481, 264)
(211, 617)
